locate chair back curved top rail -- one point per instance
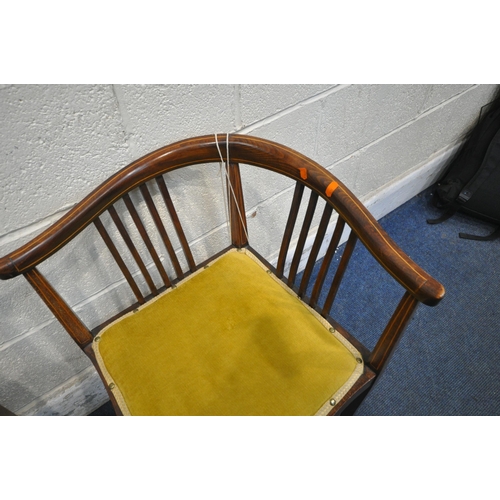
(243, 149)
(419, 286)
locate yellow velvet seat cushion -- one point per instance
(231, 339)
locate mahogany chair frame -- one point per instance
(417, 284)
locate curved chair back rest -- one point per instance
(418, 285)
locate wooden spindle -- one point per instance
(130, 245)
(236, 204)
(323, 225)
(311, 207)
(346, 256)
(327, 259)
(290, 224)
(147, 240)
(161, 229)
(116, 255)
(175, 220)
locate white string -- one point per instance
(228, 181)
(224, 189)
(231, 190)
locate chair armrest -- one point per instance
(410, 275)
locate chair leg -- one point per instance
(351, 408)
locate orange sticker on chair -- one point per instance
(303, 173)
(331, 188)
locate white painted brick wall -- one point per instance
(258, 102)
(156, 115)
(57, 143)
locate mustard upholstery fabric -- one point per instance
(230, 339)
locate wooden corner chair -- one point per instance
(233, 335)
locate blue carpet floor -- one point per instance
(447, 360)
